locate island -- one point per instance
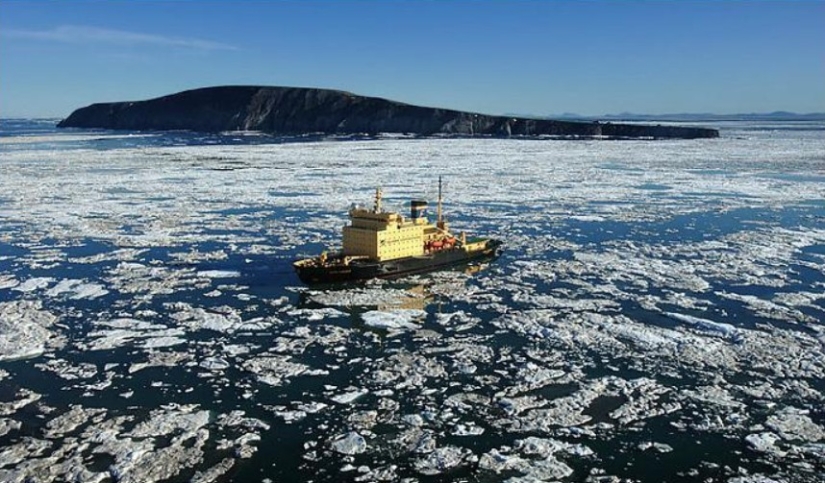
(300, 110)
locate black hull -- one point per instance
(368, 269)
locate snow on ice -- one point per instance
(643, 285)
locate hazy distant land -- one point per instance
(698, 116)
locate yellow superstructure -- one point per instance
(384, 235)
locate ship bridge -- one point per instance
(382, 235)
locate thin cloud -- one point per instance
(93, 35)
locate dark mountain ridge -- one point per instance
(298, 110)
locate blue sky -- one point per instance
(526, 57)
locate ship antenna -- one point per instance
(377, 208)
(439, 200)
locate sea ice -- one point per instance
(644, 285)
(213, 363)
(9, 425)
(725, 330)
(757, 478)
(398, 319)
(795, 424)
(349, 444)
(442, 460)
(214, 473)
(68, 371)
(163, 341)
(196, 318)
(32, 284)
(362, 297)
(764, 442)
(316, 314)
(660, 447)
(26, 330)
(77, 289)
(24, 397)
(8, 281)
(349, 397)
(219, 273)
(126, 331)
(69, 421)
(171, 420)
(275, 370)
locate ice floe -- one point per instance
(275, 370)
(349, 397)
(76, 289)
(349, 444)
(442, 460)
(111, 334)
(8, 281)
(219, 273)
(27, 330)
(33, 284)
(536, 459)
(795, 424)
(397, 319)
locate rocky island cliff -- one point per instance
(295, 110)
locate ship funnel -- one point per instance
(418, 209)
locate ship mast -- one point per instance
(439, 202)
(377, 208)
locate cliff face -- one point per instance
(293, 110)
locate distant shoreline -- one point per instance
(688, 117)
(283, 110)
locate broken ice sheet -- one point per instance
(794, 424)
(442, 460)
(349, 444)
(349, 397)
(27, 330)
(537, 459)
(393, 320)
(566, 334)
(275, 370)
(76, 289)
(219, 273)
(22, 398)
(66, 370)
(32, 284)
(8, 281)
(724, 330)
(196, 318)
(111, 334)
(159, 445)
(316, 314)
(376, 295)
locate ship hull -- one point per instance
(368, 269)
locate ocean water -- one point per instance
(656, 314)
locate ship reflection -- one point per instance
(409, 293)
(361, 297)
(417, 299)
